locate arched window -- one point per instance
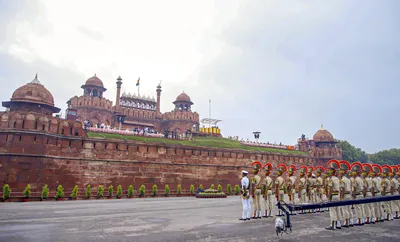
(95, 94)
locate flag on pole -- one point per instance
(137, 82)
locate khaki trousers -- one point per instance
(359, 207)
(268, 201)
(303, 196)
(378, 210)
(345, 211)
(257, 202)
(312, 195)
(334, 212)
(387, 206)
(395, 204)
(281, 195)
(292, 198)
(368, 208)
(318, 195)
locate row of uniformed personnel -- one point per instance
(366, 181)
(311, 188)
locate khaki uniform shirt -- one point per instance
(292, 182)
(384, 186)
(334, 183)
(302, 183)
(279, 182)
(376, 184)
(395, 185)
(257, 181)
(345, 183)
(268, 184)
(358, 185)
(369, 184)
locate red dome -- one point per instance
(94, 81)
(33, 92)
(323, 135)
(183, 97)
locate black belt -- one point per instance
(346, 192)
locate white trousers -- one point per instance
(246, 208)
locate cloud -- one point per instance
(272, 66)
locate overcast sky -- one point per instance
(279, 67)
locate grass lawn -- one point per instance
(211, 142)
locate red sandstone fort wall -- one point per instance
(38, 158)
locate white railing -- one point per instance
(266, 145)
(123, 132)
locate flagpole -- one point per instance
(209, 114)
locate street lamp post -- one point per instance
(256, 135)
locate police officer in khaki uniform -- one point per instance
(309, 186)
(385, 191)
(378, 209)
(301, 186)
(368, 184)
(319, 183)
(394, 190)
(267, 190)
(358, 187)
(345, 193)
(291, 186)
(279, 185)
(333, 186)
(256, 189)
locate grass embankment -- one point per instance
(211, 142)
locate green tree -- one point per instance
(45, 191)
(27, 191)
(74, 192)
(237, 189)
(100, 191)
(119, 191)
(110, 190)
(88, 191)
(130, 191)
(229, 189)
(191, 189)
(155, 190)
(59, 192)
(166, 190)
(351, 153)
(390, 157)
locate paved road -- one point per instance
(166, 219)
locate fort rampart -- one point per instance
(38, 158)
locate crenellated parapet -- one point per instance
(181, 115)
(90, 101)
(16, 121)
